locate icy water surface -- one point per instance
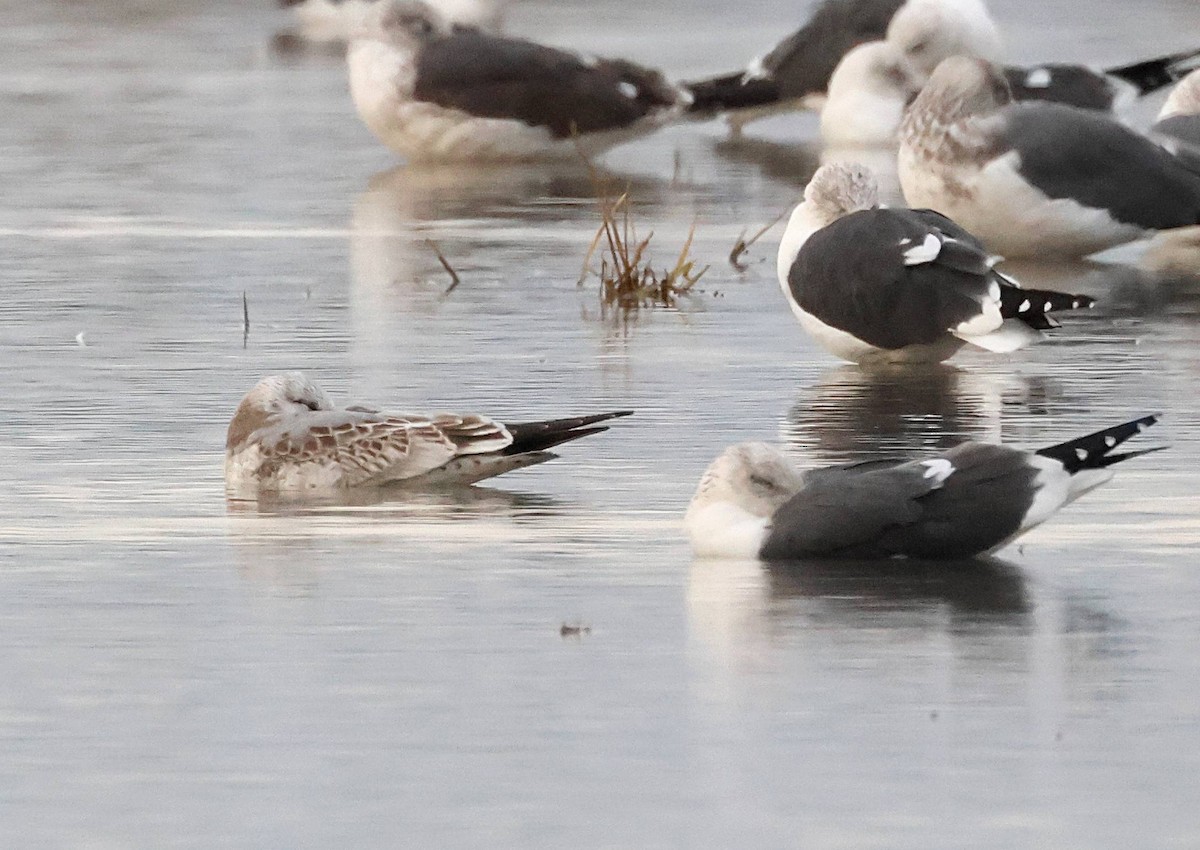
(176, 671)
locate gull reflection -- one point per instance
(854, 414)
(788, 163)
(739, 611)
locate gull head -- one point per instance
(403, 23)
(838, 189)
(272, 400)
(878, 68)
(929, 31)
(1184, 98)
(960, 88)
(737, 496)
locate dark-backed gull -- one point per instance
(432, 91)
(873, 284)
(972, 499)
(1035, 179)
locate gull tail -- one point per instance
(1153, 74)
(1095, 451)
(539, 436)
(730, 91)
(1033, 306)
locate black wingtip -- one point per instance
(1153, 74)
(730, 91)
(1033, 306)
(1095, 451)
(538, 436)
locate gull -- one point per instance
(287, 437)
(868, 93)
(432, 91)
(872, 284)
(1178, 124)
(930, 31)
(1035, 178)
(796, 72)
(973, 499)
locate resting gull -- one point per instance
(930, 31)
(972, 499)
(337, 20)
(868, 93)
(1035, 178)
(796, 72)
(431, 91)
(873, 284)
(288, 438)
(1178, 123)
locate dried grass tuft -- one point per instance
(628, 281)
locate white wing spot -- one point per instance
(1110, 441)
(628, 89)
(1081, 454)
(1024, 306)
(1038, 78)
(755, 70)
(926, 252)
(1046, 307)
(939, 470)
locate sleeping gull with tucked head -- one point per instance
(872, 284)
(432, 91)
(796, 73)
(972, 499)
(868, 93)
(288, 438)
(930, 31)
(1035, 178)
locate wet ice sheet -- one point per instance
(178, 670)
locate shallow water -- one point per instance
(181, 671)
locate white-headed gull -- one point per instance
(930, 31)
(868, 93)
(432, 91)
(972, 499)
(286, 437)
(873, 284)
(1035, 178)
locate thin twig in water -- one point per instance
(743, 244)
(446, 265)
(245, 320)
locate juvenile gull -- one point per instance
(431, 91)
(1178, 123)
(873, 284)
(972, 499)
(287, 437)
(1035, 178)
